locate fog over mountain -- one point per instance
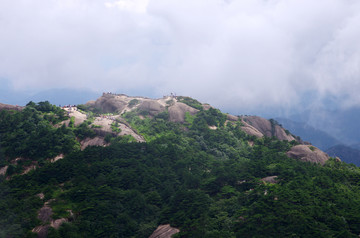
(272, 58)
(237, 55)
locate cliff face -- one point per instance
(260, 127)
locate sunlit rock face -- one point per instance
(164, 231)
(260, 127)
(308, 153)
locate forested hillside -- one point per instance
(203, 175)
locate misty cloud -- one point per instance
(251, 53)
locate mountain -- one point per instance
(63, 96)
(345, 153)
(317, 137)
(122, 166)
(341, 123)
(321, 139)
(356, 146)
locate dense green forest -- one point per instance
(207, 183)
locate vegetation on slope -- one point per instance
(31, 134)
(38, 133)
(207, 182)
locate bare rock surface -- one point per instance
(270, 179)
(308, 153)
(231, 117)
(212, 127)
(127, 130)
(29, 168)
(250, 130)
(41, 231)
(97, 140)
(152, 107)
(261, 124)
(105, 123)
(10, 107)
(265, 127)
(178, 110)
(109, 103)
(164, 231)
(122, 103)
(45, 213)
(3, 170)
(57, 223)
(79, 117)
(281, 134)
(41, 195)
(58, 157)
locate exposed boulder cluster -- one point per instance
(252, 125)
(118, 104)
(121, 103)
(260, 127)
(308, 153)
(45, 216)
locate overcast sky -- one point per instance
(233, 54)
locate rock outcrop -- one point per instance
(270, 179)
(99, 141)
(3, 170)
(231, 117)
(109, 103)
(78, 116)
(250, 130)
(119, 103)
(10, 107)
(44, 215)
(164, 231)
(254, 125)
(152, 107)
(308, 153)
(178, 110)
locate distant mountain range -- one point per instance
(342, 124)
(54, 96)
(326, 129)
(315, 136)
(346, 153)
(323, 140)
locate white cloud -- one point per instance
(255, 53)
(129, 5)
(337, 69)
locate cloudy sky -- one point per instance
(234, 54)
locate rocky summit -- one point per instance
(125, 166)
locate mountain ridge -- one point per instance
(133, 164)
